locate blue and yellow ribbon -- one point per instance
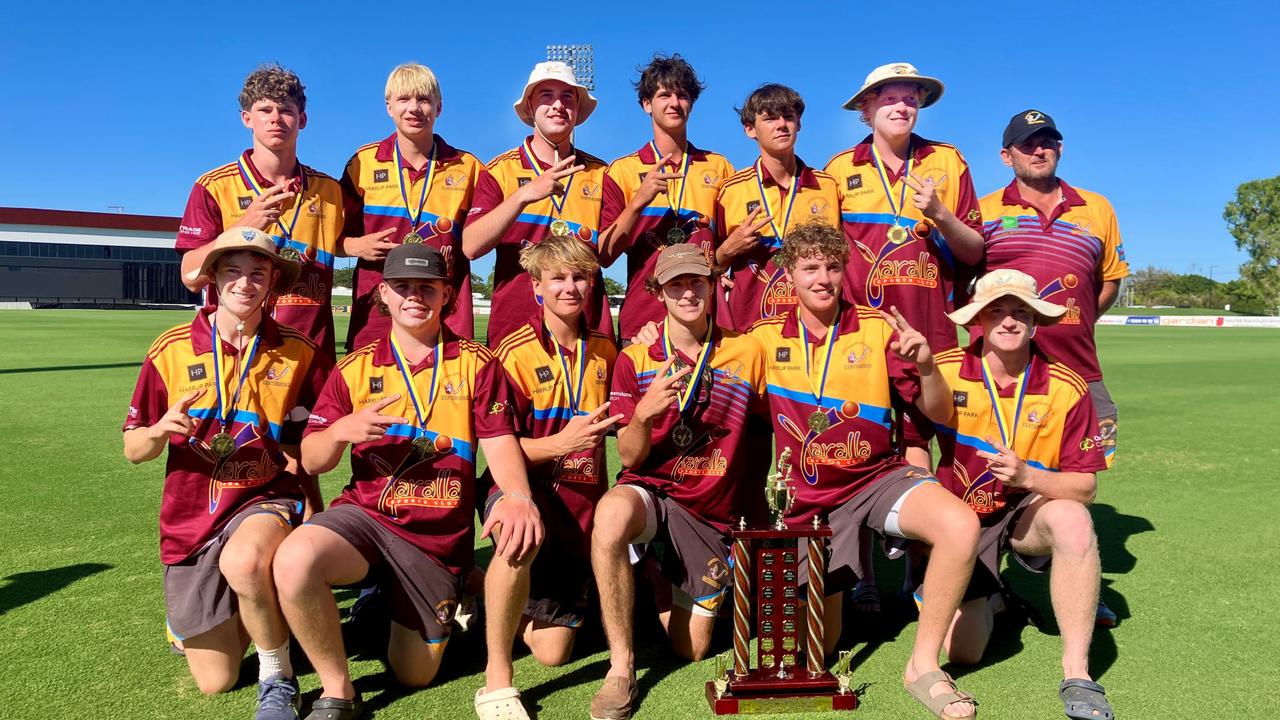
(286, 232)
(532, 159)
(832, 334)
(422, 412)
(884, 180)
(684, 177)
(218, 363)
(704, 356)
(580, 354)
(1008, 432)
(414, 217)
(790, 201)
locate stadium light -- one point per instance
(579, 57)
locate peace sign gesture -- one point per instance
(743, 239)
(584, 432)
(654, 182)
(176, 420)
(1005, 464)
(662, 391)
(925, 197)
(548, 183)
(368, 424)
(911, 344)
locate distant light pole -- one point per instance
(580, 57)
(1211, 267)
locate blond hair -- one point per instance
(556, 252)
(413, 80)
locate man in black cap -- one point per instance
(1068, 240)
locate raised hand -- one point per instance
(372, 247)
(368, 424)
(1005, 464)
(911, 344)
(176, 420)
(585, 432)
(548, 183)
(743, 239)
(264, 210)
(654, 183)
(662, 392)
(925, 197)
(648, 335)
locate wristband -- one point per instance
(518, 496)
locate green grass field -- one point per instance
(1186, 524)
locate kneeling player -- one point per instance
(833, 368)
(684, 403)
(559, 372)
(226, 394)
(412, 406)
(1022, 448)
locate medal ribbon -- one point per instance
(1008, 433)
(669, 351)
(832, 334)
(684, 172)
(227, 416)
(884, 180)
(580, 353)
(286, 232)
(790, 202)
(422, 413)
(426, 186)
(532, 159)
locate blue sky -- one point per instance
(1166, 107)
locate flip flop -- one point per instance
(1085, 700)
(937, 703)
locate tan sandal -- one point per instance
(937, 703)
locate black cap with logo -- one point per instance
(1028, 123)
(414, 261)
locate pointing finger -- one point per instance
(189, 399)
(384, 402)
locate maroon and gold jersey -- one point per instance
(919, 277)
(427, 500)
(708, 477)
(1056, 430)
(836, 461)
(693, 218)
(310, 223)
(202, 491)
(1070, 254)
(759, 288)
(545, 401)
(375, 202)
(513, 299)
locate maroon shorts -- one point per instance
(422, 594)
(694, 555)
(197, 597)
(876, 508)
(993, 543)
(560, 579)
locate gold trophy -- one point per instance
(779, 492)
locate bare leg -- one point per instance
(550, 644)
(309, 563)
(506, 590)
(932, 514)
(1064, 529)
(690, 634)
(620, 518)
(246, 564)
(214, 656)
(414, 661)
(970, 632)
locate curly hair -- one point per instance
(273, 82)
(673, 73)
(770, 99)
(812, 239)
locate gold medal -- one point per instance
(222, 445)
(423, 447)
(412, 238)
(675, 236)
(559, 227)
(291, 255)
(897, 234)
(818, 421)
(682, 435)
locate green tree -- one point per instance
(613, 287)
(478, 285)
(343, 277)
(1253, 219)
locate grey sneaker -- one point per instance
(278, 699)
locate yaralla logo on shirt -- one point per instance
(920, 272)
(713, 465)
(442, 491)
(853, 451)
(1072, 315)
(576, 470)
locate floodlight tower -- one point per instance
(581, 58)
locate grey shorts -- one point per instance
(876, 508)
(695, 555)
(993, 543)
(560, 579)
(197, 597)
(422, 594)
(1108, 418)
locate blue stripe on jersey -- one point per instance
(878, 415)
(983, 445)
(243, 417)
(535, 219)
(460, 448)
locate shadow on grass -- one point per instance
(27, 587)
(60, 368)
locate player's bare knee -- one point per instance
(293, 568)
(550, 653)
(215, 681)
(966, 652)
(1070, 526)
(414, 674)
(246, 568)
(612, 518)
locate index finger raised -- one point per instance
(189, 399)
(384, 402)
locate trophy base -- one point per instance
(763, 692)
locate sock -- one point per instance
(271, 662)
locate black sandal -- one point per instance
(329, 708)
(1085, 700)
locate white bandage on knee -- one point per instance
(680, 598)
(640, 542)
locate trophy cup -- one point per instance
(788, 674)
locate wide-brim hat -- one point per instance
(237, 239)
(896, 73)
(681, 259)
(555, 70)
(1006, 281)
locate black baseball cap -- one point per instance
(414, 261)
(1028, 123)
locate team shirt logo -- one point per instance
(960, 398)
(853, 182)
(197, 372)
(782, 354)
(375, 385)
(544, 374)
(381, 175)
(244, 202)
